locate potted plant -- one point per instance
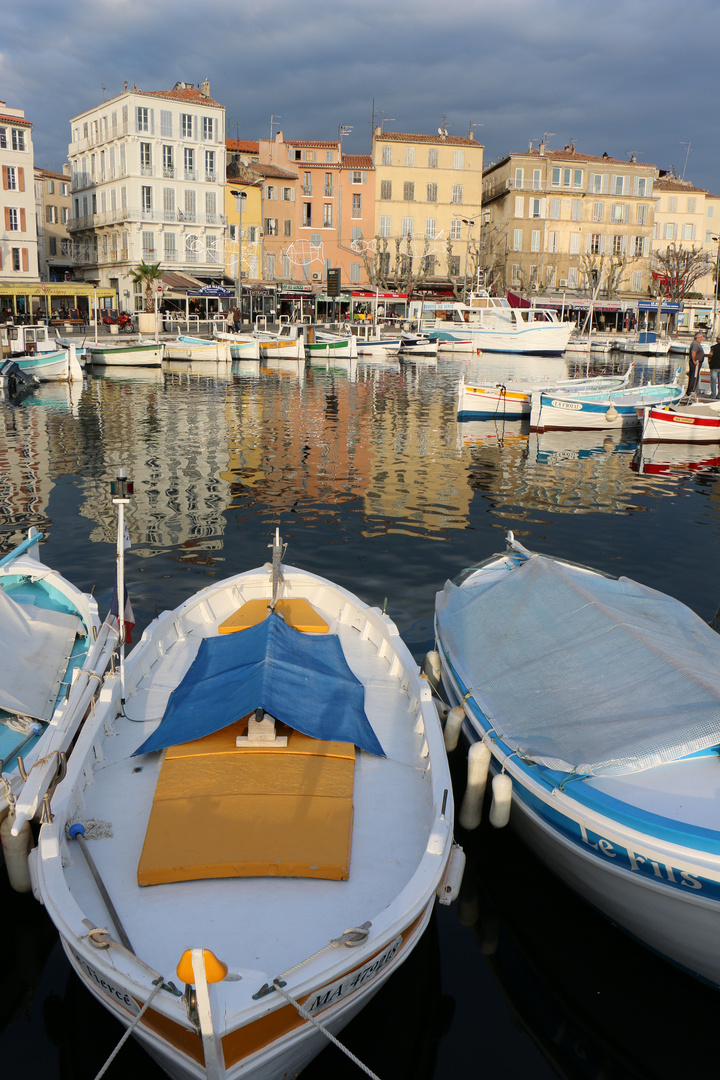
(147, 274)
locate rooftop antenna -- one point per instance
(547, 135)
(473, 124)
(343, 129)
(104, 89)
(273, 118)
(687, 155)
(386, 120)
(632, 155)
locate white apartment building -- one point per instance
(18, 232)
(148, 180)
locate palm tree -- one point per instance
(149, 274)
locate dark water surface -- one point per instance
(374, 485)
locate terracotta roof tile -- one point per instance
(272, 171)
(18, 121)
(191, 95)
(315, 143)
(666, 184)
(357, 161)
(451, 140)
(247, 146)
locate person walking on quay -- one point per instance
(237, 319)
(697, 355)
(714, 365)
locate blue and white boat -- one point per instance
(189, 348)
(601, 410)
(494, 326)
(53, 653)
(597, 700)
(512, 398)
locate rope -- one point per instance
(355, 935)
(9, 797)
(156, 989)
(324, 1031)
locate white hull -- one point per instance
(266, 926)
(557, 411)
(320, 351)
(217, 351)
(513, 400)
(125, 355)
(46, 366)
(686, 424)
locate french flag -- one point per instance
(128, 615)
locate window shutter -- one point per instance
(22, 219)
(519, 202)
(589, 243)
(5, 177)
(25, 264)
(21, 179)
(605, 184)
(646, 246)
(636, 185)
(613, 183)
(7, 218)
(152, 121)
(543, 208)
(649, 185)
(624, 245)
(602, 243)
(693, 235)
(195, 127)
(626, 214)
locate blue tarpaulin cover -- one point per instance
(301, 679)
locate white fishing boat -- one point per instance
(25, 338)
(242, 346)
(53, 652)
(189, 348)
(686, 422)
(512, 399)
(600, 344)
(599, 410)
(494, 326)
(596, 702)
(372, 342)
(140, 354)
(276, 862)
(645, 343)
(324, 347)
(418, 345)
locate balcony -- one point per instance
(328, 191)
(190, 174)
(147, 170)
(169, 172)
(307, 189)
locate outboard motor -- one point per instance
(15, 379)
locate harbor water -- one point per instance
(375, 485)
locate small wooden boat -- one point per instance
(418, 345)
(53, 652)
(278, 860)
(328, 347)
(141, 354)
(480, 401)
(645, 343)
(59, 366)
(188, 348)
(599, 410)
(686, 422)
(597, 701)
(242, 346)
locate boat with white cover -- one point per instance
(597, 701)
(53, 652)
(267, 801)
(512, 399)
(494, 326)
(686, 421)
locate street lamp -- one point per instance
(240, 197)
(469, 222)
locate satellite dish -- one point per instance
(442, 131)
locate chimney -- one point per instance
(470, 134)
(126, 85)
(205, 88)
(541, 147)
(572, 147)
(530, 146)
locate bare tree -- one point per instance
(678, 269)
(608, 270)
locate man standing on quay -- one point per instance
(697, 355)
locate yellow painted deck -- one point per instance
(221, 810)
(297, 613)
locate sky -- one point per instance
(631, 77)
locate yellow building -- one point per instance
(243, 243)
(428, 195)
(686, 216)
(557, 219)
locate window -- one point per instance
(617, 212)
(145, 159)
(409, 156)
(16, 258)
(210, 166)
(288, 194)
(65, 189)
(142, 119)
(459, 159)
(307, 215)
(519, 179)
(551, 276)
(535, 240)
(251, 234)
(271, 226)
(146, 199)
(637, 247)
(387, 155)
(457, 193)
(430, 228)
(432, 158)
(572, 277)
(148, 244)
(640, 186)
(328, 185)
(407, 226)
(307, 183)
(355, 234)
(456, 229)
(617, 185)
(554, 213)
(597, 211)
(594, 244)
(687, 232)
(537, 179)
(595, 183)
(12, 219)
(165, 124)
(432, 193)
(553, 241)
(669, 232)
(357, 176)
(642, 214)
(329, 155)
(536, 208)
(636, 281)
(384, 226)
(519, 205)
(386, 189)
(287, 226)
(355, 271)
(211, 207)
(207, 128)
(189, 160)
(577, 178)
(271, 192)
(408, 191)
(308, 155)
(691, 206)
(454, 265)
(190, 205)
(18, 139)
(168, 166)
(576, 210)
(575, 243)
(517, 240)
(186, 125)
(672, 205)
(11, 174)
(617, 245)
(357, 206)
(169, 203)
(3, 138)
(515, 273)
(711, 211)
(169, 249)
(327, 215)
(556, 177)
(51, 214)
(64, 214)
